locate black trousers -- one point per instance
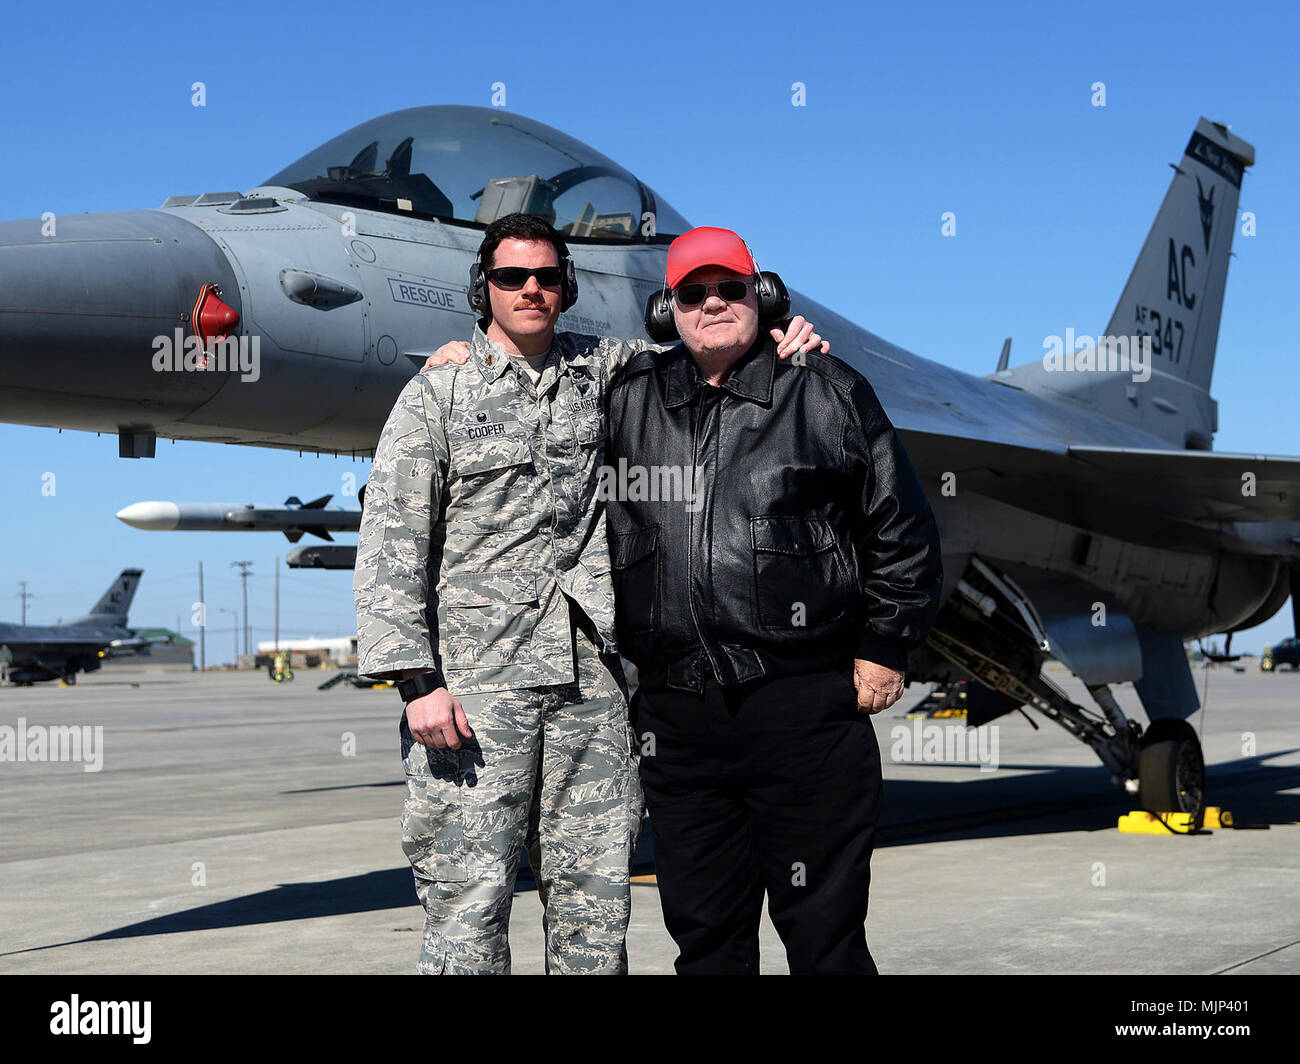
(771, 786)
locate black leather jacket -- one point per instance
(799, 536)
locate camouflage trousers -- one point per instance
(553, 768)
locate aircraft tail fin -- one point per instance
(1175, 292)
(1172, 300)
(113, 604)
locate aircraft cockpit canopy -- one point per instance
(474, 164)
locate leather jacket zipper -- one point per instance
(690, 550)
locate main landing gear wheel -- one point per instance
(1171, 769)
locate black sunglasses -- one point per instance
(692, 295)
(512, 278)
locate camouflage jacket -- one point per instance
(481, 515)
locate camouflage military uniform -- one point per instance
(481, 516)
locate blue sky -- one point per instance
(911, 110)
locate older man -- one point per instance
(482, 581)
(767, 620)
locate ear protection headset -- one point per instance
(773, 305)
(478, 285)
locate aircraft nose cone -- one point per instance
(154, 516)
(84, 302)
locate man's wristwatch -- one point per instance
(418, 686)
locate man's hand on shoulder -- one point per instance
(453, 351)
(438, 720)
(878, 687)
(799, 337)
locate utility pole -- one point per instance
(277, 604)
(24, 594)
(203, 625)
(243, 572)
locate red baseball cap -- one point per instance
(707, 246)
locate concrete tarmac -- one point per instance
(241, 826)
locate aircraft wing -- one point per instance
(1200, 485)
(48, 639)
(1166, 498)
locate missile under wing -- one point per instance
(294, 518)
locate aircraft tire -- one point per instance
(1171, 769)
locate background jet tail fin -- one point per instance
(1175, 293)
(113, 604)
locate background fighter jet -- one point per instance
(1083, 513)
(60, 651)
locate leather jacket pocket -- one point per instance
(634, 558)
(800, 579)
